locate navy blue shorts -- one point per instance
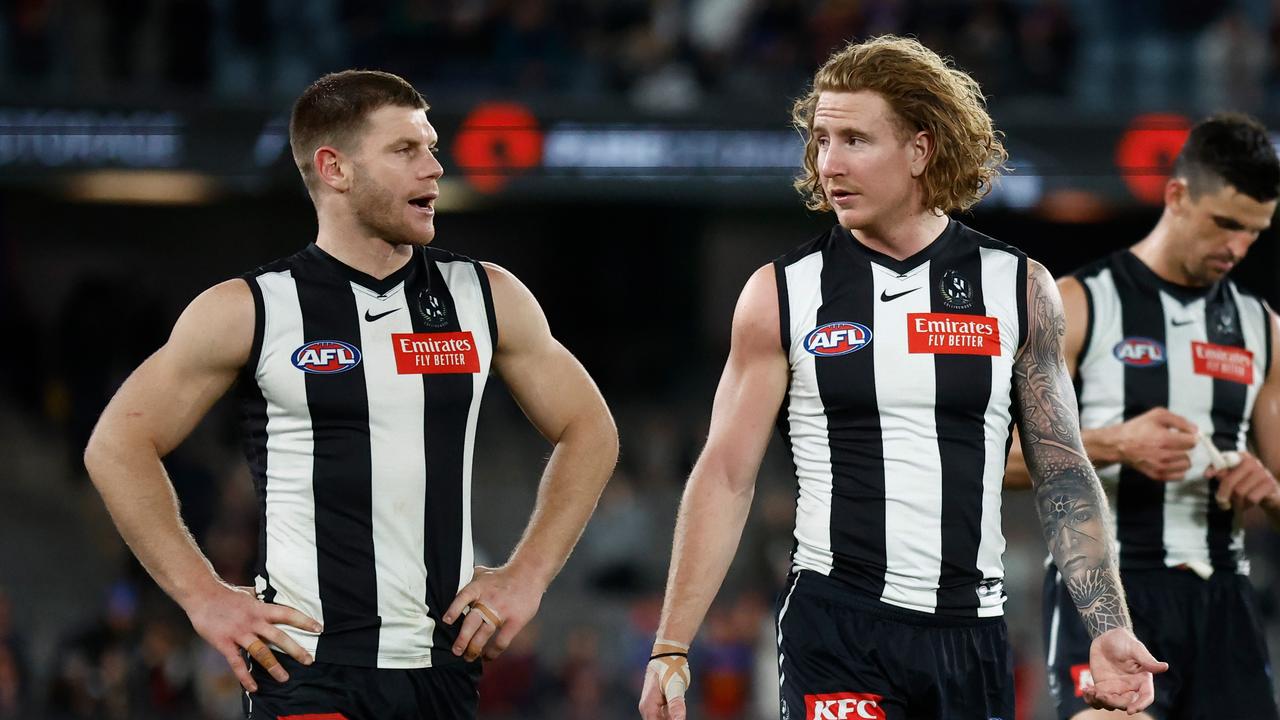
(1207, 630)
(345, 692)
(845, 657)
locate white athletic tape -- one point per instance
(671, 667)
(1220, 460)
(673, 675)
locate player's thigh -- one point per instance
(1232, 676)
(447, 692)
(824, 675)
(320, 690)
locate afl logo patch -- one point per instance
(326, 357)
(1139, 352)
(837, 338)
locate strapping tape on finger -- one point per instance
(670, 663)
(487, 614)
(259, 651)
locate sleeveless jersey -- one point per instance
(1201, 352)
(360, 404)
(898, 415)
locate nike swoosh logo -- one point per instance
(885, 296)
(379, 316)
(1184, 322)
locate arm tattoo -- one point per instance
(1073, 510)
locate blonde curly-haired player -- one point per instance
(895, 352)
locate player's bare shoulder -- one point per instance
(756, 318)
(521, 322)
(216, 330)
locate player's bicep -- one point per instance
(1266, 408)
(1075, 310)
(546, 380)
(172, 390)
(1048, 423)
(753, 384)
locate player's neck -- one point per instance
(1156, 252)
(361, 251)
(901, 238)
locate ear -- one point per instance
(921, 148)
(1176, 195)
(332, 168)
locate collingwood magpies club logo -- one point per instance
(1223, 317)
(956, 291)
(433, 311)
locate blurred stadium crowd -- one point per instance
(87, 635)
(664, 55)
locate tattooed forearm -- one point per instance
(1101, 608)
(1073, 510)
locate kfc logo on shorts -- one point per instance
(1139, 352)
(843, 706)
(1081, 678)
(837, 338)
(326, 357)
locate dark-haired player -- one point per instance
(361, 362)
(1170, 356)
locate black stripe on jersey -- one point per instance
(1139, 499)
(782, 422)
(489, 310)
(446, 404)
(342, 477)
(1229, 400)
(1267, 324)
(784, 307)
(1020, 294)
(253, 408)
(857, 448)
(1090, 323)
(963, 386)
(1089, 320)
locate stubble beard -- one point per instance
(378, 211)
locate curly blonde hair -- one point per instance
(928, 93)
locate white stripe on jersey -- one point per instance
(1000, 290)
(906, 396)
(810, 448)
(1104, 378)
(1255, 321)
(290, 504)
(399, 477)
(1191, 396)
(1256, 324)
(468, 295)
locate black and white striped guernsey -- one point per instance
(360, 405)
(1201, 352)
(898, 415)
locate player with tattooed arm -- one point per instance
(894, 352)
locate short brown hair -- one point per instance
(927, 93)
(335, 109)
